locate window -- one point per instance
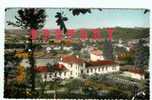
(81, 71)
(102, 68)
(87, 70)
(64, 73)
(71, 72)
(106, 68)
(50, 75)
(91, 70)
(55, 74)
(98, 69)
(45, 76)
(60, 73)
(26, 61)
(95, 69)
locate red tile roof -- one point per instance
(72, 59)
(99, 63)
(44, 69)
(41, 69)
(136, 70)
(59, 67)
(97, 52)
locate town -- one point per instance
(76, 59)
(88, 61)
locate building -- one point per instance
(71, 66)
(95, 54)
(67, 48)
(135, 72)
(101, 67)
(38, 62)
(74, 64)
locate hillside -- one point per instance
(123, 33)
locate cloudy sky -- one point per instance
(97, 19)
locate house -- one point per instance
(90, 48)
(38, 62)
(48, 49)
(57, 48)
(67, 48)
(57, 71)
(96, 55)
(71, 66)
(135, 72)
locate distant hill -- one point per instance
(123, 33)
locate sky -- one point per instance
(97, 19)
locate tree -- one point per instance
(78, 11)
(20, 74)
(146, 11)
(141, 54)
(30, 18)
(108, 50)
(74, 85)
(10, 61)
(60, 21)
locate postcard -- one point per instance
(77, 53)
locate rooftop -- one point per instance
(136, 70)
(44, 69)
(72, 59)
(41, 69)
(99, 63)
(59, 67)
(97, 52)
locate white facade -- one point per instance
(74, 67)
(67, 48)
(102, 69)
(94, 57)
(76, 70)
(134, 75)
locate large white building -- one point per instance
(101, 67)
(72, 67)
(135, 73)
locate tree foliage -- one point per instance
(29, 18)
(60, 21)
(20, 74)
(141, 54)
(73, 85)
(78, 11)
(108, 50)
(146, 11)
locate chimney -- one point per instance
(77, 56)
